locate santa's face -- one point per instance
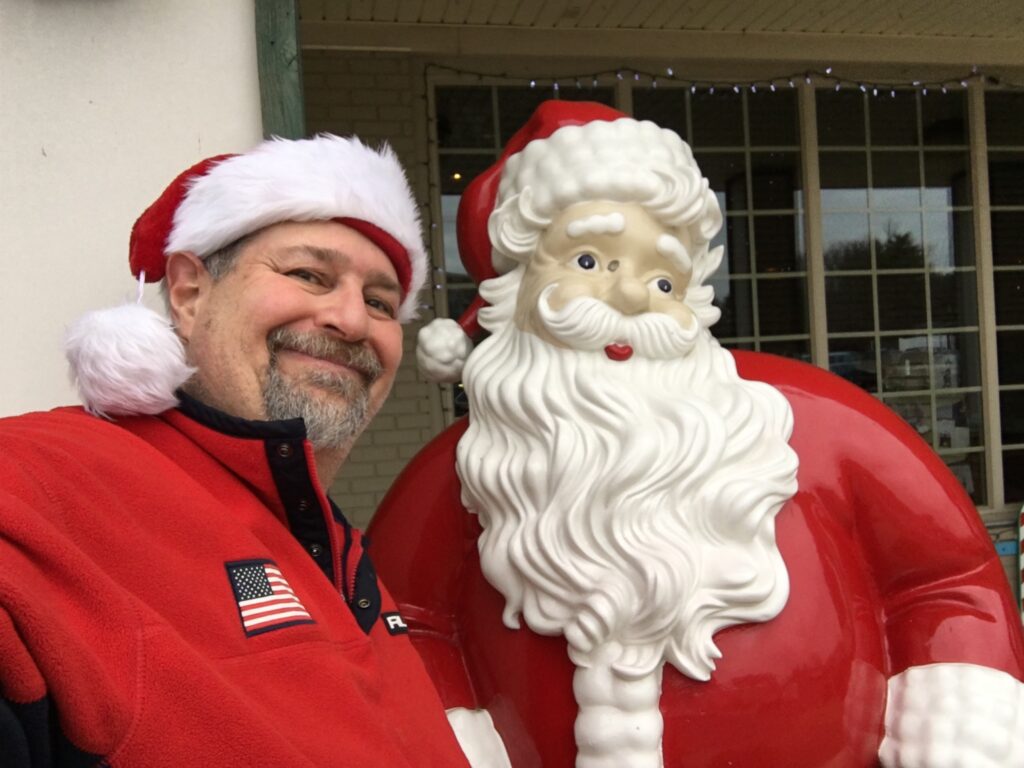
(616, 253)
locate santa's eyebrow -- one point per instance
(672, 248)
(598, 224)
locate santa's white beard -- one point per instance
(627, 503)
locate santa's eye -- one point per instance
(586, 261)
(663, 284)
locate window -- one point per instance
(899, 315)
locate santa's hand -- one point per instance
(954, 715)
(441, 350)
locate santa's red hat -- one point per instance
(129, 360)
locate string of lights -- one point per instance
(825, 78)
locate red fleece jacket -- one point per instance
(178, 590)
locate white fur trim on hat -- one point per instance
(326, 177)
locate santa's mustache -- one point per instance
(329, 348)
(590, 324)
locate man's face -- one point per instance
(614, 252)
(305, 319)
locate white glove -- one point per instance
(441, 350)
(953, 716)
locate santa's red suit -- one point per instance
(890, 568)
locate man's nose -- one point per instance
(629, 295)
(343, 312)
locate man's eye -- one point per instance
(586, 261)
(381, 306)
(663, 284)
(306, 276)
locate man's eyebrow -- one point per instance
(375, 278)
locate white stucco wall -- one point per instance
(101, 105)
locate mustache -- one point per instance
(330, 348)
(590, 324)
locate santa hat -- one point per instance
(129, 360)
(568, 152)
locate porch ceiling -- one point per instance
(932, 31)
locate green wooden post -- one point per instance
(280, 69)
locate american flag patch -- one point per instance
(265, 599)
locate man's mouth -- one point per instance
(618, 352)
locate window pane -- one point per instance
(894, 120)
(733, 235)
(726, 173)
(897, 240)
(947, 179)
(1011, 408)
(776, 239)
(954, 299)
(916, 411)
(844, 180)
(458, 170)
(840, 118)
(969, 469)
(733, 297)
(1009, 298)
(464, 117)
(717, 119)
(958, 421)
(664, 106)
(956, 360)
(944, 118)
(1013, 476)
(846, 241)
(515, 105)
(1004, 116)
(854, 360)
(895, 181)
(848, 304)
(1006, 178)
(459, 300)
(775, 179)
(798, 349)
(773, 119)
(1008, 238)
(901, 302)
(604, 96)
(905, 363)
(782, 306)
(1010, 351)
(949, 239)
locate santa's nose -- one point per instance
(629, 295)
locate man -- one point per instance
(721, 559)
(176, 587)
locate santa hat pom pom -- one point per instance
(125, 360)
(442, 348)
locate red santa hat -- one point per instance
(128, 360)
(477, 202)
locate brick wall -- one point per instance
(374, 96)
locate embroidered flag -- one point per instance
(265, 599)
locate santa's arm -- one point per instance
(954, 641)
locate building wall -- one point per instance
(103, 104)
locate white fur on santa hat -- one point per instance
(326, 177)
(125, 360)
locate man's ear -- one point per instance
(188, 282)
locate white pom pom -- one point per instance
(441, 350)
(125, 360)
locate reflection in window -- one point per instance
(901, 291)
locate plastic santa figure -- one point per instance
(658, 552)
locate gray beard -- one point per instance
(334, 417)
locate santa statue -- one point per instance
(642, 549)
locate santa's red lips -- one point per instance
(618, 352)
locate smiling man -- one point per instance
(175, 586)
